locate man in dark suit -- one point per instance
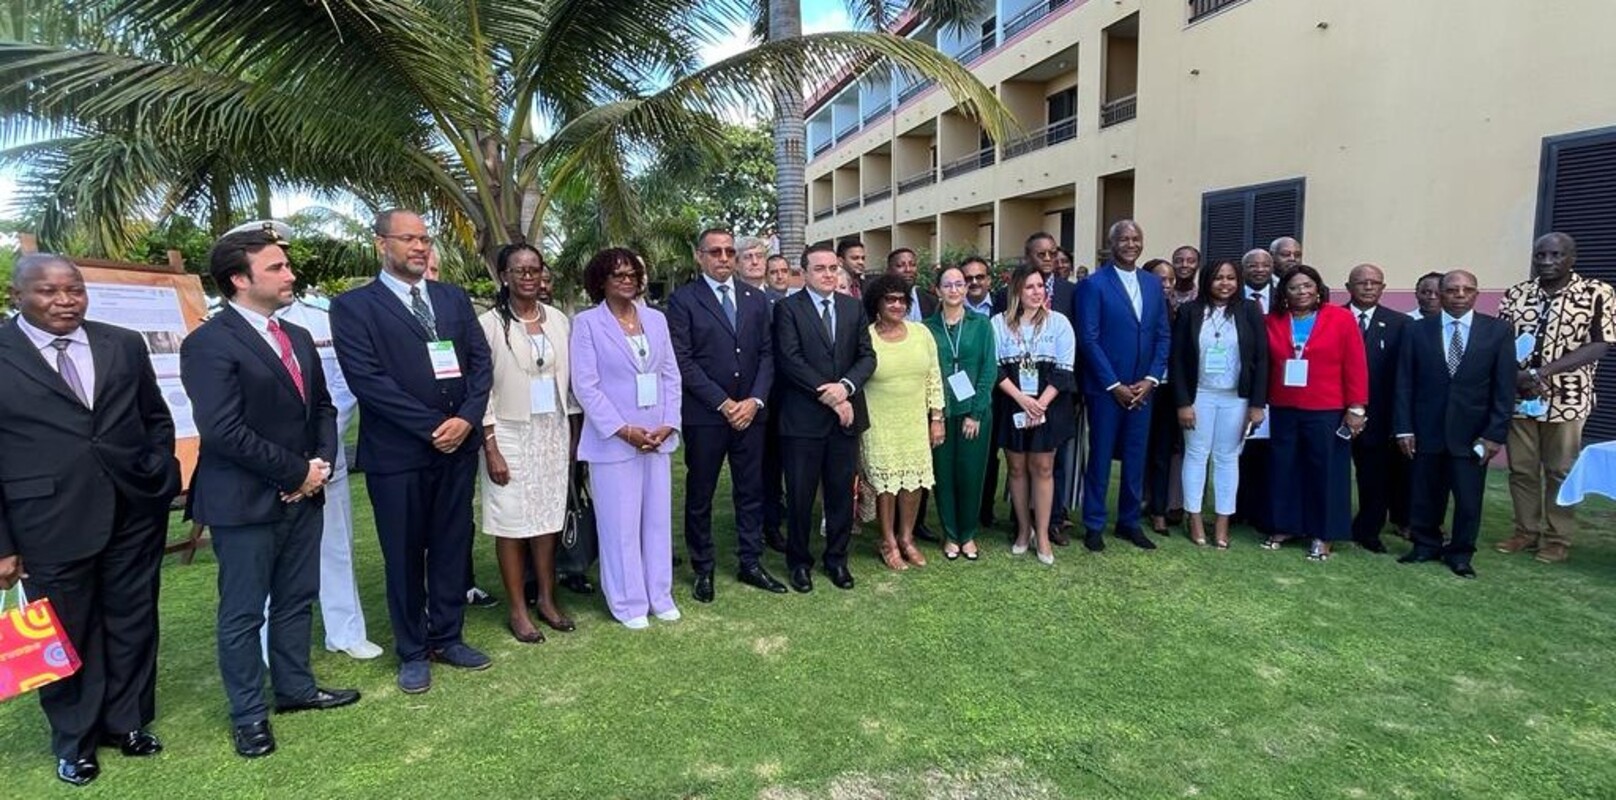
(269, 439)
(1455, 395)
(87, 471)
(777, 288)
(1122, 342)
(721, 338)
(417, 360)
(823, 356)
(1381, 471)
(1254, 502)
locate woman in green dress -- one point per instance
(966, 354)
(905, 401)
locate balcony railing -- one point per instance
(976, 48)
(1119, 110)
(877, 195)
(847, 130)
(823, 213)
(917, 180)
(821, 147)
(1054, 133)
(886, 105)
(971, 163)
(1203, 8)
(912, 89)
(848, 204)
(1025, 19)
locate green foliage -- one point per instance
(727, 186)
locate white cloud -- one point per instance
(830, 18)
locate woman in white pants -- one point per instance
(1218, 373)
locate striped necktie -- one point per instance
(423, 312)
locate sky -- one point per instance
(818, 16)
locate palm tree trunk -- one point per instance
(785, 21)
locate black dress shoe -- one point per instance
(775, 540)
(577, 584)
(840, 577)
(1374, 545)
(78, 773)
(759, 577)
(924, 533)
(1094, 541)
(323, 699)
(703, 591)
(1137, 538)
(254, 740)
(1058, 537)
(1462, 568)
(1417, 557)
(134, 744)
(802, 580)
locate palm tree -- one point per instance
(123, 109)
(781, 20)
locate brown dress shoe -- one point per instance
(1517, 543)
(1552, 553)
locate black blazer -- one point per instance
(1448, 414)
(926, 299)
(257, 432)
(382, 350)
(62, 465)
(1184, 356)
(717, 362)
(1382, 344)
(805, 360)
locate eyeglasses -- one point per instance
(409, 239)
(1044, 253)
(895, 300)
(1367, 283)
(527, 273)
(975, 278)
(719, 251)
(951, 285)
(624, 276)
(1303, 287)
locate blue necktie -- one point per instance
(727, 304)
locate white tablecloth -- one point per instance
(1594, 472)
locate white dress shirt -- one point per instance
(78, 352)
(260, 325)
(1464, 330)
(1130, 284)
(401, 290)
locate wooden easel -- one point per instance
(194, 308)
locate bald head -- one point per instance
(1459, 292)
(31, 266)
(1365, 284)
(48, 291)
(1287, 252)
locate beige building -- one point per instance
(1416, 134)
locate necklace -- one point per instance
(539, 317)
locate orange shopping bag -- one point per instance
(34, 650)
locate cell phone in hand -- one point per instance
(1019, 419)
(1344, 432)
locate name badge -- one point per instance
(542, 395)
(1217, 359)
(1534, 407)
(1019, 419)
(445, 364)
(1525, 344)
(1296, 372)
(645, 387)
(960, 384)
(1028, 380)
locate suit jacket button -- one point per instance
(737, 351)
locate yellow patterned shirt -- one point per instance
(1578, 315)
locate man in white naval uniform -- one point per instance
(343, 619)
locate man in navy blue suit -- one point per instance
(721, 338)
(417, 360)
(1122, 340)
(269, 438)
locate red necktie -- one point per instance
(284, 342)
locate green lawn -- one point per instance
(1178, 673)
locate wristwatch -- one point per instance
(1357, 411)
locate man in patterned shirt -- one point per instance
(1562, 326)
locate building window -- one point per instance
(1577, 196)
(1201, 9)
(1236, 220)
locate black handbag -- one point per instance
(579, 543)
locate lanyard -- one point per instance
(1299, 339)
(953, 339)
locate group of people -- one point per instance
(1239, 374)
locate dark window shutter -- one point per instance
(1236, 220)
(1577, 196)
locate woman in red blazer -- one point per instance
(1317, 389)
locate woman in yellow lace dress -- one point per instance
(905, 400)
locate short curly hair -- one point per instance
(879, 287)
(600, 268)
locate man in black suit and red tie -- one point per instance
(1381, 471)
(417, 360)
(87, 471)
(721, 339)
(1455, 394)
(823, 357)
(268, 440)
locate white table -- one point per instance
(1593, 473)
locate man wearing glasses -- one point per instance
(417, 360)
(721, 338)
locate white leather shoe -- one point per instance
(364, 650)
(671, 615)
(637, 624)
